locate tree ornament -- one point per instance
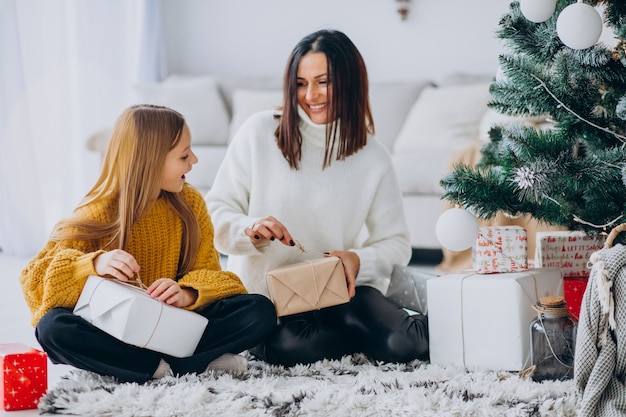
(525, 177)
(537, 11)
(579, 26)
(457, 229)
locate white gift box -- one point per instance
(479, 321)
(132, 316)
(568, 250)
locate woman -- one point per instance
(142, 223)
(312, 175)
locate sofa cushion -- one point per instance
(391, 101)
(196, 98)
(459, 78)
(228, 84)
(419, 172)
(445, 117)
(247, 102)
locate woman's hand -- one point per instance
(117, 264)
(351, 265)
(268, 228)
(168, 291)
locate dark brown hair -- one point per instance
(349, 111)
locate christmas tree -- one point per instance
(572, 171)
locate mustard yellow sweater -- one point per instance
(56, 275)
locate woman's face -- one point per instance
(314, 89)
(177, 163)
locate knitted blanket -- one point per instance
(600, 361)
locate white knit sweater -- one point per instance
(323, 209)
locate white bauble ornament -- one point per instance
(537, 11)
(456, 229)
(579, 26)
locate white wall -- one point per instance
(254, 37)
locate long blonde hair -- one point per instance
(130, 181)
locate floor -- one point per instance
(15, 324)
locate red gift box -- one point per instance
(573, 291)
(24, 378)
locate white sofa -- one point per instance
(422, 125)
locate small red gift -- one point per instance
(24, 378)
(573, 291)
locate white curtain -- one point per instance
(67, 68)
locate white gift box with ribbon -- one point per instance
(479, 321)
(132, 316)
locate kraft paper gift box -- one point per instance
(24, 378)
(479, 321)
(132, 316)
(307, 286)
(500, 249)
(568, 250)
(407, 288)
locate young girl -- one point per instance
(142, 223)
(314, 175)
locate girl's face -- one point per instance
(177, 163)
(314, 89)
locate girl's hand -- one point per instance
(268, 228)
(351, 265)
(168, 291)
(117, 264)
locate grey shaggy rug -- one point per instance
(353, 386)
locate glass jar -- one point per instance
(552, 340)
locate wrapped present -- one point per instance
(24, 378)
(407, 288)
(479, 321)
(500, 249)
(568, 250)
(309, 285)
(132, 316)
(573, 291)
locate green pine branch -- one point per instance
(571, 171)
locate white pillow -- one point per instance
(420, 172)
(248, 102)
(198, 99)
(445, 117)
(391, 101)
(231, 83)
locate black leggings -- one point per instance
(370, 323)
(236, 323)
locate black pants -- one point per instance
(236, 323)
(370, 323)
